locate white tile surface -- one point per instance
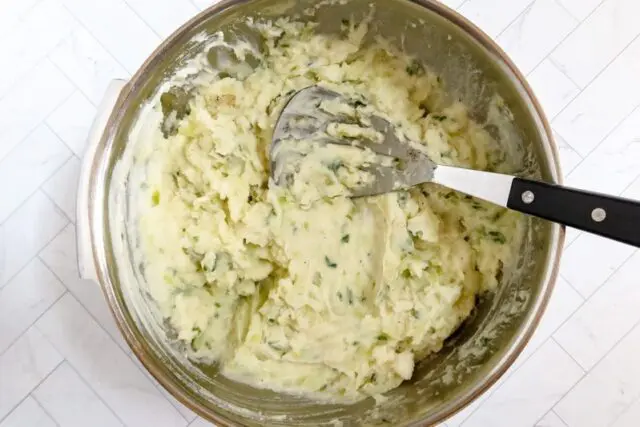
(630, 417)
(29, 294)
(19, 115)
(607, 390)
(28, 414)
(493, 20)
(605, 318)
(198, 422)
(131, 43)
(13, 12)
(552, 87)
(71, 402)
(60, 257)
(30, 164)
(453, 4)
(617, 158)
(118, 382)
(596, 111)
(583, 63)
(588, 277)
(564, 301)
(25, 233)
(571, 235)
(551, 420)
(580, 9)
(607, 32)
(23, 366)
(166, 16)
(32, 39)
(527, 395)
(569, 159)
(536, 32)
(84, 61)
(72, 120)
(62, 187)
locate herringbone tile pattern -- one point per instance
(62, 360)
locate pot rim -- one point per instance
(96, 214)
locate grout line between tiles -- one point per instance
(46, 178)
(64, 73)
(506, 377)
(44, 192)
(81, 24)
(548, 56)
(524, 11)
(96, 393)
(35, 387)
(42, 122)
(37, 318)
(604, 138)
(35, 399)
(587, 299)
(112, 340)
(590, 370)
(575, 290)
(614, 345)
(135, 12)
(606, 67)
(550, 411)
(2, 285)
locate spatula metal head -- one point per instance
(304, 118)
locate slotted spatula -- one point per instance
(302, 118)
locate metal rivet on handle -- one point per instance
(598, 214)
(528, 197)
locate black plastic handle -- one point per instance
(608, 216)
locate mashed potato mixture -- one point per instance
(299, 288)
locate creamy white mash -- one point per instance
(298, 288)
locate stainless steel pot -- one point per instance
(474, 69)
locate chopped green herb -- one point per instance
(383, 337)
(155, 198)
(323, 388)
(335, 165)
(425, 109)
(349, 296)
(277, 346)
(497, 237)
(415, 68)
(500, 271)
(415, 313)
(329, 263)
(439, 117)
(498, 215)
(449, 195)
(217, 304)
(371, 379)
(345, 238)
(317, 279)
(339, 295)
(406, 273)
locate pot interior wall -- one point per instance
(472, 73)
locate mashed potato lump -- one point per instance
(299, 288)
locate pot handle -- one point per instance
(86, 265)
